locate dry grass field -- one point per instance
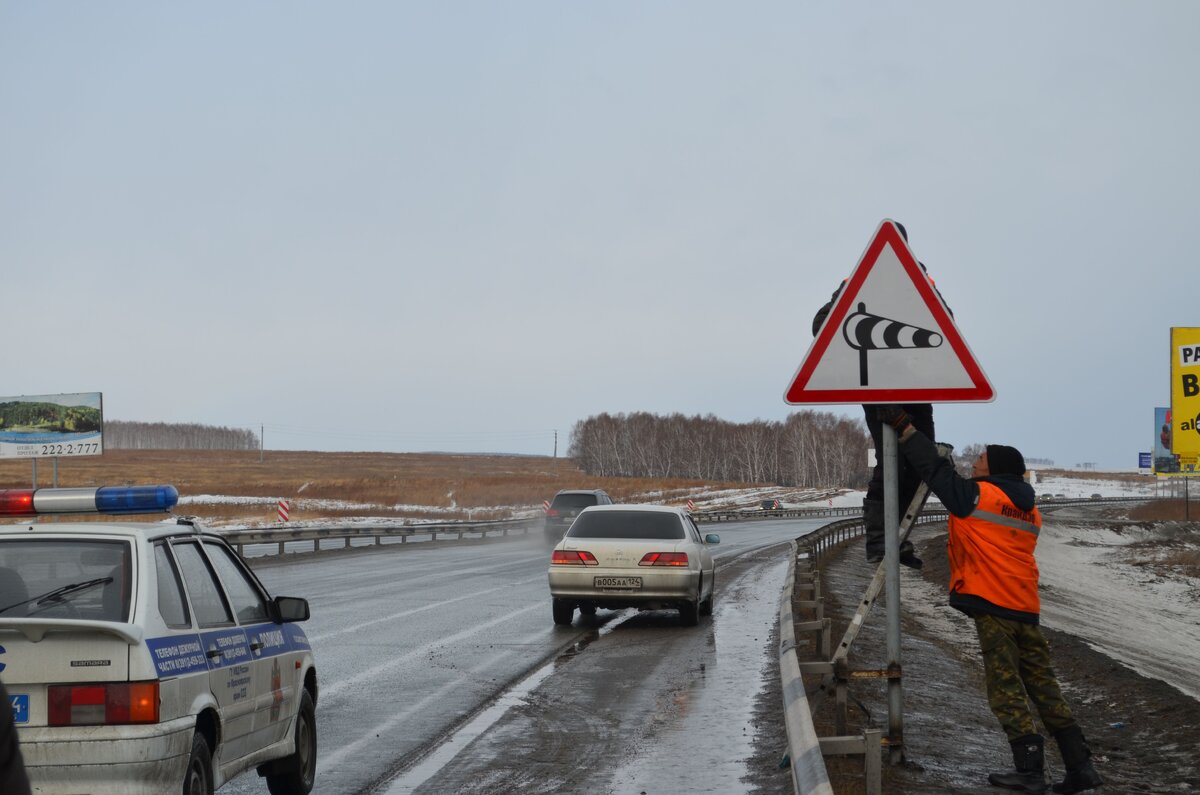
(322, 485)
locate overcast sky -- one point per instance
(465, 225)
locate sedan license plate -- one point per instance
(20, 708)
(617, 582)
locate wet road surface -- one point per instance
(414, 644)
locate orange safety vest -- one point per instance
(991, 552)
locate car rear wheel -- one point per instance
(564, 611)
(706, 607)
(689, 613)
(198, 780)
(299, 771)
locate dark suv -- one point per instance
(566, 505)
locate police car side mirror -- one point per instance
(289, 608)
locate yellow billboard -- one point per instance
(1185, 393)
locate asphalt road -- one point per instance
(441, 671)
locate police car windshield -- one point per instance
(65, 578)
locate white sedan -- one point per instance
(645, 556)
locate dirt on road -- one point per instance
(1144, 733)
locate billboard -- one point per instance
(45, 426)
(1185, 392)
(1165, 462)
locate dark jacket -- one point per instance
(823, 312)
(13, 780)
(960, 495)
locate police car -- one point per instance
(146, 658)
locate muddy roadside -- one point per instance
(1145, 734)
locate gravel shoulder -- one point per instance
(1144, 732)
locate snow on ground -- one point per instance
(704, 499)
(1143, 616)
(1075, 488)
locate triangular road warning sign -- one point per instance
(889, 338)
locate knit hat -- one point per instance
(1005, 460)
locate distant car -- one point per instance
(148, 658)
(769, 505)
(568, 504)
(643, 556)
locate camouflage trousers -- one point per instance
(1016, 663)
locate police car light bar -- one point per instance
(107, 499)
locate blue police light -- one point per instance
(136, 499)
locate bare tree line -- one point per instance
(808, 449)
(176, 436)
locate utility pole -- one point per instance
(262, 441)
(556, 444)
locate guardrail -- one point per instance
(773, 513)
(282, 535)
(806, 748)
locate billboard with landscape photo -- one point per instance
(36, 426)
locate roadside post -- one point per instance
(891, 561)
(889, 339)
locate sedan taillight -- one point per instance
(569, 557)
(552, 512)
(103, 704)
(664, 559)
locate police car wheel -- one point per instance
(199, 780)
(299, 770)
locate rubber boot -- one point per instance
(1030, 760)
(908, 556)
(1077, 758)
(873, 524)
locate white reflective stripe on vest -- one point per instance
(1007, 521)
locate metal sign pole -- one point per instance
(891, 562)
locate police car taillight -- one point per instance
(103, 704)
(107, 499)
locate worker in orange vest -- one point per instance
(994, 527)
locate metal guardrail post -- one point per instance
(872, 761)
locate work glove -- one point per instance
(895, 416)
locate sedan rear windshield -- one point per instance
(65, 578)
(626, 524)
(574, 500)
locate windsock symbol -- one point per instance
(866, 332)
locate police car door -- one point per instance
(274, 690)
(230, 673)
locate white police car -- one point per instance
(146, 658)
